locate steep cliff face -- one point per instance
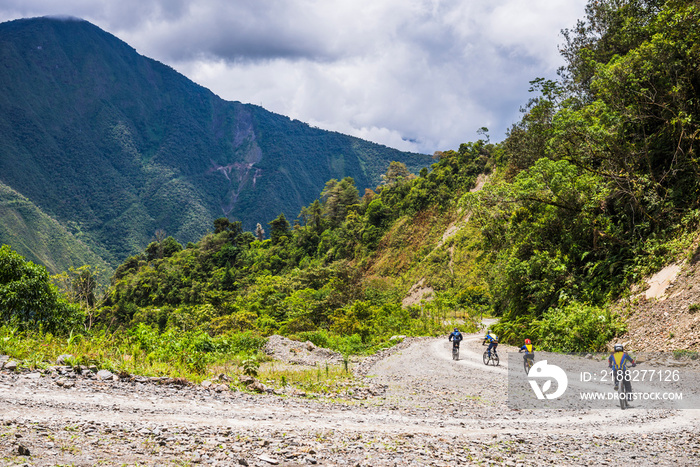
(117, 145)
(244, 173)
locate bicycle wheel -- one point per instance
(494, 359)
(622, 393)
(486, 358)
(455, 353)
(527, 364)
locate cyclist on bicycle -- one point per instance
(491, 340)
(529, 350)
(456, 338)
(618, 361)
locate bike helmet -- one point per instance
(618, 348)
(527, 341)
(456, 330)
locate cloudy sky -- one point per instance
(419, 75)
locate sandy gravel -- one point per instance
(434, 411)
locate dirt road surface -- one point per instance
(434, 411)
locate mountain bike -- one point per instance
(527, 364)
(622, 394)
(455, 351)
(493, 358)
(624, 387)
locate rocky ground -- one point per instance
(432, 411)
(665, 315)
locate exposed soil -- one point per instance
(665, 316)
(433, 411)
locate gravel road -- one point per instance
(434, 411)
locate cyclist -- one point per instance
(529, 350)
(455, 337)
(618, 361)
(491, 340)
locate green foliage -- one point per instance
(251, 365)
(42, 239)
(597, 186)
(578, 328)
(601, 175)
(194, 349)
(549, 235)
(337, 198)
(143, 350)
(279, 230)
(29, 300)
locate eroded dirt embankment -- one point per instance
(435, 411)
(665, 316)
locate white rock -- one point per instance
(104, 375)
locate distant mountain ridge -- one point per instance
(114, 145)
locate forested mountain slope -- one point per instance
(37, 236)
(115, 146)
(593, 191)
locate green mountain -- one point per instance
(115, 146)
(555, 230)
(36, 235)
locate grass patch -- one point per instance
(192, 356)
(141, 351)
(322, 380)
(683, 354)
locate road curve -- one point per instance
(434, 411)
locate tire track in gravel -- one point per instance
(457, 383)
(435, 411)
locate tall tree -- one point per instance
(337, 197)
(395, 173)
(259, 232)
(279, 228)
(312, 216)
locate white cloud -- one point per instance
(421, 75)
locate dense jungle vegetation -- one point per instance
(595, 187)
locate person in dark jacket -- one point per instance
(455, 337)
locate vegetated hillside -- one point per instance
(338, 278)
(602, 184)
(35, 235)
(592, 192)
(115, 146)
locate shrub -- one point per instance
(319, 338)
(30, 300)
(578, 328)
(245, 342)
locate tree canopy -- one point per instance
(28, 298)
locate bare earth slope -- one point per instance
(435, 411)
(666, 316)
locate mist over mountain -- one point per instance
(114, 146)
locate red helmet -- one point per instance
(527, 341)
